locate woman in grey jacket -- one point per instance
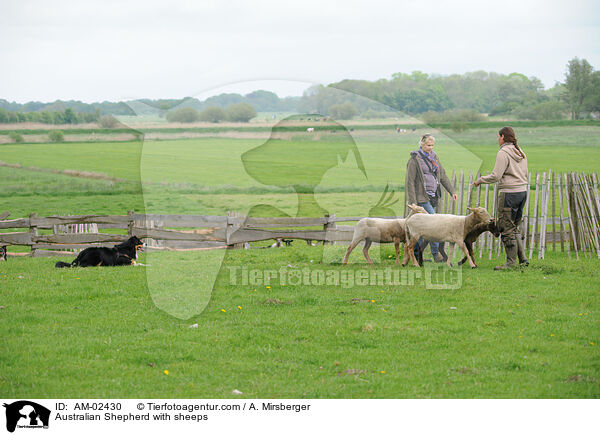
(424, 174)
(511, 173)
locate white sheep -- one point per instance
(382, 231)
(443, 228)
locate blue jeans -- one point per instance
(434, 245)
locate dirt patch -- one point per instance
(359, 301)
(69, 172)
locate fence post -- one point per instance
(484, 237)
(329, 225)
(491, 237)
(130, 225)
(525, 229)
(33, 230)
(571, 226)
(589, 205)
(542, 219)
(553, 212)
(563, 231)
(535, 214)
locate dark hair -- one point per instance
(509, 136)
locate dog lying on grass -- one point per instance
(123, 254)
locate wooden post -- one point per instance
(563, 233)
(33, 230)
(484, 237)
(554, 211)
(567, 196)
(494, 203)
(470, 191)
(460, 205)
(535, 212)
(329, 225)
(454, 184)
(526, 219)
(542, 219)
(590, 209)
(131, 223)
(594, 183)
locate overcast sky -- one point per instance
(114, 50)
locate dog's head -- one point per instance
(134, 241)
(2, 253)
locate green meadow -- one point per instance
(107, 332)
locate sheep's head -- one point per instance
(481, 214)
(494, 228)
(414, 209)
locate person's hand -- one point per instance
(476, 183)
(454, 197)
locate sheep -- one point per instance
(443, 228)
(382, 231)
(470, 238)
(310, 130)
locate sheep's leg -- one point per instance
(397, 246)
(450, 254)
(366, 250)
(470, 249)
(466, 251)
(350, 249)
(442, 250)
(409, 252)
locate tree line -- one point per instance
(421, 94)
(431, 97)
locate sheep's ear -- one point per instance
(470, 209)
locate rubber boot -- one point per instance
(521, 253)
(511, 257)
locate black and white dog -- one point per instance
(3, 253)
(123, 254)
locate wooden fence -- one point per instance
(562, 211)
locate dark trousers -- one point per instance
(510, 213)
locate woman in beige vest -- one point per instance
(511, 174)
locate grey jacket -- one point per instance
(415, 181)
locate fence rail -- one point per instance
(562, 212)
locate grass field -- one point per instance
(98, 333)
(106, 332)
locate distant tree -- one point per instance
(185, 114)
(345, 110)
(240, 112)
(547, 110)
(108, 121)
(70, 117)
(56, 136)
(263, 101)
(16, 137)
(579, 86)
(213, 114)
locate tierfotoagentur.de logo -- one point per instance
(25, 414)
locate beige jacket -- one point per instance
(510, 170)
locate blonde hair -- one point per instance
(425, 138)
